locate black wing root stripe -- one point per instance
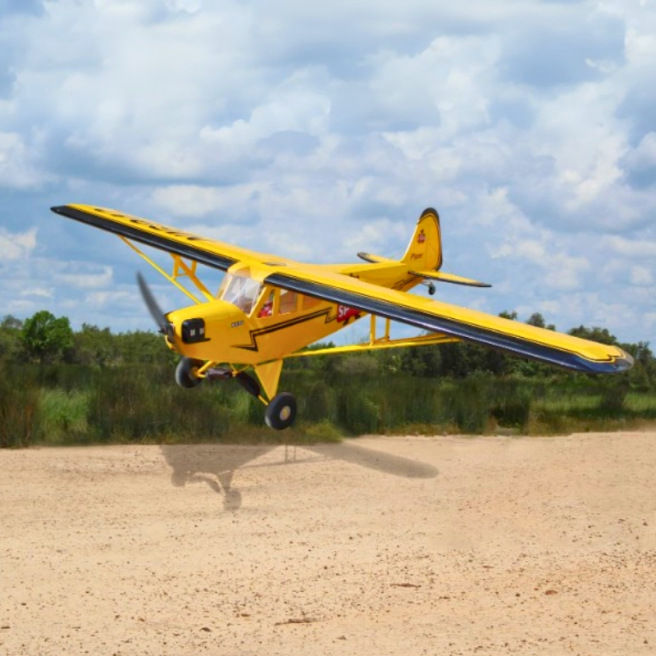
(160, 241)
(428, 321)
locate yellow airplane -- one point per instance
(270, 308)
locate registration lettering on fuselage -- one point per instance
(344, 313)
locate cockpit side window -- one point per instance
(240, 291)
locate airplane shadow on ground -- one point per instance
(216, 465)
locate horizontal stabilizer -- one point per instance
(449, 277)
(374, 259)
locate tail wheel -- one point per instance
(281, 411)
(185, 372)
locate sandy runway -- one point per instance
(411, 545)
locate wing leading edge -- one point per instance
(206, 251)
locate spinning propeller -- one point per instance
(165, 327)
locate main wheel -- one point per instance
(185, 372)
(281, 411)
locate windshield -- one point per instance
(241, 291)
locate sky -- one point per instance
(315, 131)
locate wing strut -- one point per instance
(177, 262)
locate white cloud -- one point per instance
(107, 299)
(196, 201)
(631, 248)
(373, 237)
(39, 292)
(18, 167)
(564, 271)
(642, 276)
(84, 275)
(16, 246)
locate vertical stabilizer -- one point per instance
(425, 249)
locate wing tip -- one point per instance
(623, 362)
(367, 257)
(617, 363)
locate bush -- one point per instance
(467, 404)
(317, 403)
(63, 416)
(357, 412)
(65, 404)
(128, 405)
(511, 407)
(613, 394)
(323, 431)
(20, 423)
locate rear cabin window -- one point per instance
(308, 302)
(288, 301)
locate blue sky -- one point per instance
(316, 131)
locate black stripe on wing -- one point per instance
(428, 321)
(161, 240)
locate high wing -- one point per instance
(172, 240)
(471, 325)
(325, 283)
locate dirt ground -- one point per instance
(410, 545)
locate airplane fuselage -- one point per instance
(251, 323)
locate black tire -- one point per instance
(185, 372)
(281, 411)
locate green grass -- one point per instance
(580, 411)
(642, 403)
(63, 416)
(143, 405)
(20, 420)
(322, 431)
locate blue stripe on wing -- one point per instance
(432, 322)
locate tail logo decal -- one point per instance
(421, 237)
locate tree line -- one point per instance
(45, 340)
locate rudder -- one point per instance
(424, 251)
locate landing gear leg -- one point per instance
(248, 383)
